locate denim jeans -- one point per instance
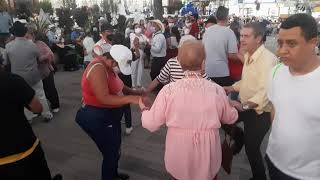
(104, 128)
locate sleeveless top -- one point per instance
(115, 85)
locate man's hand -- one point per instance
(251, 105)
(241, 57)
(237, 105)
(228, 89)
(140, 91)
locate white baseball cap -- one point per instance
(122, 55)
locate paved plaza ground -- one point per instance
(72, 153)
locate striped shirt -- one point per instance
(172, 72)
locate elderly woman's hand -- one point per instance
(237, 105)
(144, 103)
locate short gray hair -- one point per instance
(257, 28)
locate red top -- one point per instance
(194, 30)
(235, 68)
(115, 85)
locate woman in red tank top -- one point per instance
(103, 95)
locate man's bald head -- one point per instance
(191, 55)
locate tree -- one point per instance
(3, 6)
(121, 26)
(69, 4)
(109, 6)
(157, 9)
(81, 16)
(177, 5)
(24, 9)
(46, 6)
(94, 13)
(65, 20)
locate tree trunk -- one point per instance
(157, 9)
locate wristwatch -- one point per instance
(246, 107)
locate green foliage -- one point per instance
(94, 13)
(23, 10)
(65, 20)
(121, 26)
(175, 7)
(41, 22)
(109, 6)
(3, 5)
(46, 6)
(81, 16)
(69, 4)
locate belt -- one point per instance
(19, 156)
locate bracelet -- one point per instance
(246, 107)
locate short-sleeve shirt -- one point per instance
(293, 145)
(23, 56)
(172, 72)
(16, 134)
(219, 41)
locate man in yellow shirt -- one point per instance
(254, 109)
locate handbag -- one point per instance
(227, 154)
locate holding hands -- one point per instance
(145, 103)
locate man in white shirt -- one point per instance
(293, 150)
(88, 44)
(105, 41)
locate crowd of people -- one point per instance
(206, 77)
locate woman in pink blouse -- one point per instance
(193, 109)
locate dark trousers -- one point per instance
(127, 108)
(255, 128)
(33, 166)
(223, 81)
(50, 91)
(275, 173)
(104, 128)
(156, 66)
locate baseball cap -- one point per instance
(122, 55)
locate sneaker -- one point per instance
(57, 177)
(56, 110)
(129, 130)
(48, 118)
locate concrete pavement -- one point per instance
(72, 153)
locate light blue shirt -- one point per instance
(5, 22)
(52, 38)
(158, 45)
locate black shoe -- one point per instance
(57, 177)
(123, 176)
